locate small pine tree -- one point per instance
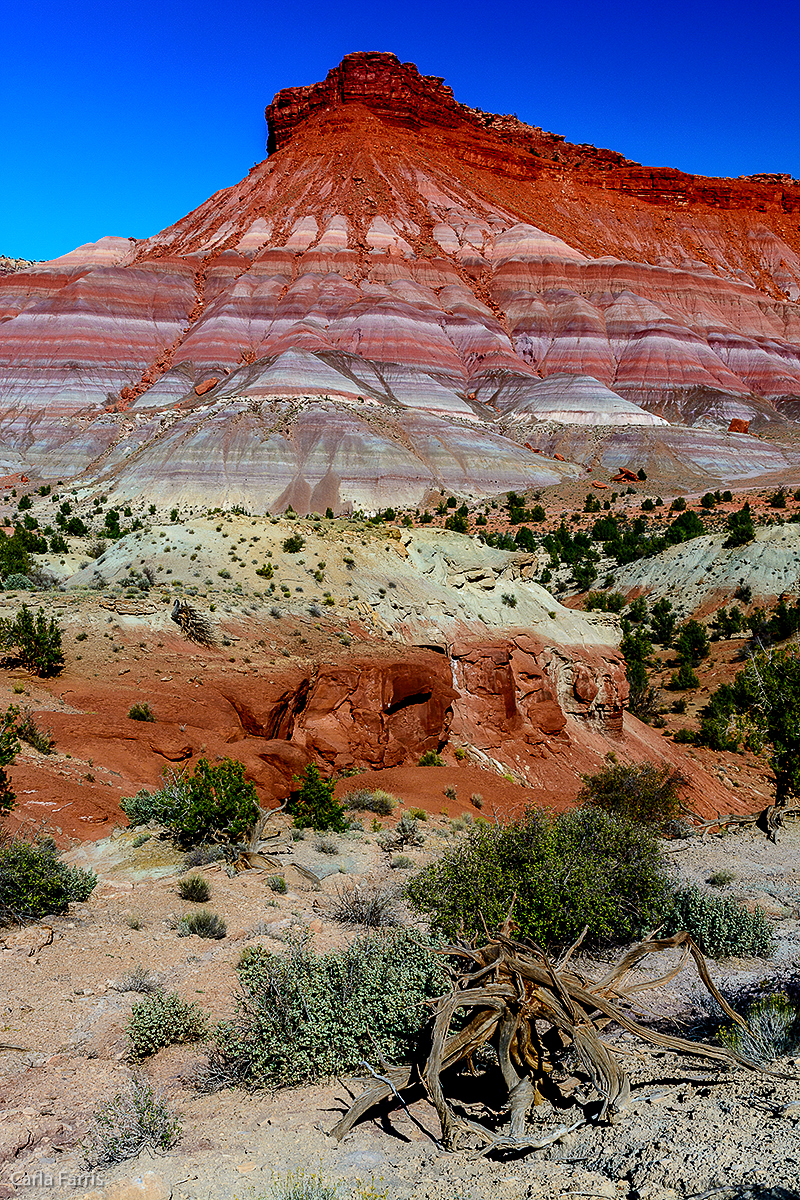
(315, 807)
(740, 527)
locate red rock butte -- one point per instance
(391, 302)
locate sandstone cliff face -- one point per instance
(403, 255)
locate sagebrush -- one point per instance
(136, 1120)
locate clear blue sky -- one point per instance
(119, 118)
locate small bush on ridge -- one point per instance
(141, 712)
(637, 792)
(164, 1019)
(431, 759)
(37, 640)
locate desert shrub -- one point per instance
(722, 927)
(139, 979)
(612, 602)
(431, 759)
(684, 679)
(585, 867)
(692, 643)
(34, 882)
(133, 1121)
(401, 862)
(302, 1016)
(9, 749)
(79, 883)
(637, 792)
(740, 526)
(774, 1022)
(294, 544)
(141, 712)
(164, 1019)
(202, 855)
(663, 620)
(314, 806)
(277, 883)
(366, 904)
(204, 923)
(38, 642)
(327, 845)
(214, 803)
(364, 800)
(721, 878)
(194, 887)
(28, 731)
(476, 800)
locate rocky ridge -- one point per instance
(405, 268)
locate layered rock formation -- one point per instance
(423, 267)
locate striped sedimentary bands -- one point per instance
(414, 261)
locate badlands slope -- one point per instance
(389, 302)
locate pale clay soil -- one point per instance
(690, 1129)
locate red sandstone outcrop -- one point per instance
(739, 426)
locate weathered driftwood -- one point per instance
(195, 625)
(530, 1009)
(769, 819)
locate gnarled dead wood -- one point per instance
(507, 990)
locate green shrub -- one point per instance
(34, 882)
(303, 1016)
(721, 878)
(212, 803)
(194, 887)
(294, 544)
(277, 883)
(431, 759)
(722, 927)
(38, 642)
(141, 712)
(692, 643)
(164, 1019)
(203, 923)
(28, 731)
(366, 904)
(314, 806)
(79, 883)
(639, 792)
(683, 679)
(130, 1123)
(585, 867)
(9, 749)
